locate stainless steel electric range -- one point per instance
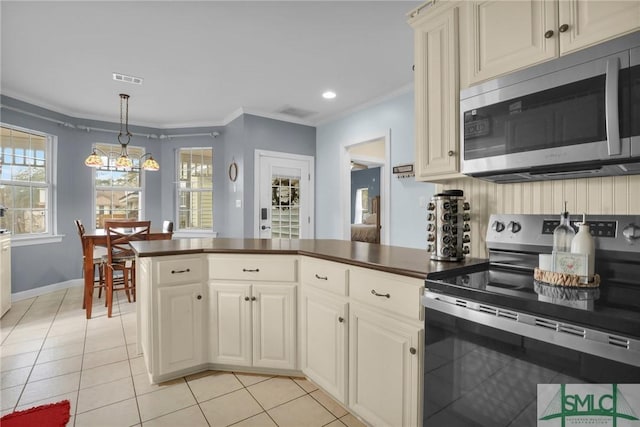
(492, 334)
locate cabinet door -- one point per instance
(504, 36)
(5, 275)
(436, 96)
(230, 324)
(589, 22)
(180, 327)
(385, 368)
(274, 326)
(324, 342)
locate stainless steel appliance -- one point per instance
(447, 223)
(576, 116)
(490, 338)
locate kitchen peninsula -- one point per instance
(347, 315)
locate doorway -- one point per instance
(284, 197)
(365, 166)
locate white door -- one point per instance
(284, 199)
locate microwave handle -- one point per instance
(611, 107)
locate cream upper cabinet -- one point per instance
(589, 22)
(503, 36)
(436, 92)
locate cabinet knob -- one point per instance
(412, 350)
(548, 34)
(563, 28)
(451, 153)
(253, 298)
(340, 319)
(247, 298)
(199, 297)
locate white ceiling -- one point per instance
(204, 61)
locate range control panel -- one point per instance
(597, 228)
(534, 233)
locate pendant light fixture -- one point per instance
(123, 161)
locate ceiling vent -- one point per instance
(127, 79)
(296, 112)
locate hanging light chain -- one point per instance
(124, 98)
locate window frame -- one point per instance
(51, 159)
(141, 189)
(192, 231)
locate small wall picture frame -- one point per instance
(233, 171)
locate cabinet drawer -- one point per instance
(268, 268)
(178, 270)
(398, 294)
(329, 276)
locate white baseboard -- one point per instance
(18, 296)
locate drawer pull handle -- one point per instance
(180, 271)
(247, 298)
(321, 277)
(249, 270)
(373, 291)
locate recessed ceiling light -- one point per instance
(329, 94)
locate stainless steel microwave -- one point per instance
(575, 116)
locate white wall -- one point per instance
(408, 220)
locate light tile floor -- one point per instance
(50, 352)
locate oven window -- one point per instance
(568, 115)
(475, 375)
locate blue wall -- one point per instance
(365, 178)
(39, 265)
(407, 218)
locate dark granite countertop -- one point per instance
(392, 259)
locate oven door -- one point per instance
(483, 365)
(551, 118)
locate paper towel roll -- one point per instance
(545, 262)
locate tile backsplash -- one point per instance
(606, 196)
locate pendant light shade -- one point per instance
(123, 161)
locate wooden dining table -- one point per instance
(99, 238)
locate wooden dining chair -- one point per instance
(98, 263)
(120, 256)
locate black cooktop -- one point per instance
(608, 308)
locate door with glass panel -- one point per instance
(284, 210)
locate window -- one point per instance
(195, 189)
(26, 188)
(118, 192)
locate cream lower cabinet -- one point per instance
(5, 273)
(384, 368)
(171, 315)
(252, 311)
(253, 325)
(180, 327)
(324, 344)
(436, 80)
